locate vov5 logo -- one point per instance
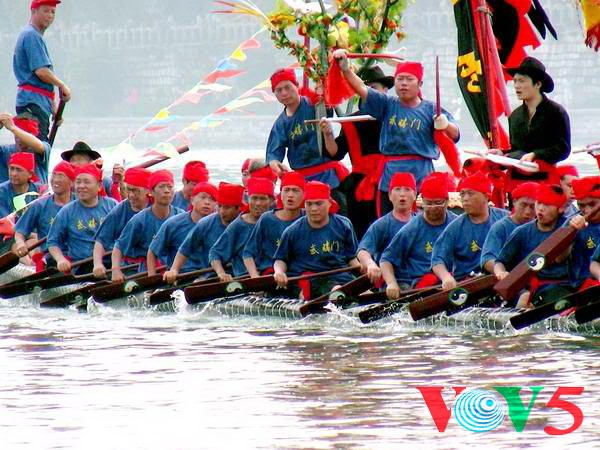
(480, 410)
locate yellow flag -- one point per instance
(238, 54)
(162, 114)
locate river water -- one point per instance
(146, 380)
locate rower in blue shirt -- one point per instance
(173, 232)
(523, 197)
(292, 137)
(317, 242)
(33, 68)
(549, 207)
(71, 235)
(136, 185)
(25, 129)
(230, 246)
(134, 241)
(20, 188)
(406, 262)
(402, 193)
(264, 240)
(38, 218)
(457, 252)
(193, 252)
(193, 172)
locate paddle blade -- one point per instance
(587, 313)
(539, 314)
(8, 261)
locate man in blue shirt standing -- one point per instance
(33, 68)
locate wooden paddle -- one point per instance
(535, 315)
(10, 259)
(389, 308)
(152, 162)
(56, 122)
(46, 273)
(16, 290)
(118, 290)
(207, 292)
(350, 289)
(587, 313)
(467, 293)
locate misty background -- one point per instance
(125, 60)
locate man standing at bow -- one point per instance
(33, 68)
(408, 124)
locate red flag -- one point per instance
(337, 89)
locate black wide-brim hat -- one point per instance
(375, 75)
(534, 68)
(80, 148)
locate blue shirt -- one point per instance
(113, 225)
(522, 241)
(585, 247)
(75, 225)
(230, 245)
(180, 202)
(380, 234)
(31, 54)
(38, 218)
(41, 162)
(307, 249)
(299, 139)
(496, 239)
(7, 195)
(410, 250)
(137, 235)
(404, 131)
(200, 239)
(169, 238)
(264, 240)
(459, 245)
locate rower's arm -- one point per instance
(98, 254)
(151, 262)
(500, 271)
(355, 263)
(47, 76)
(387, 271)
(489, 265)
(330, 142)
(217, 266)
(365, 262)
(170, 276)
(280, 269)
(62, 263)
(29, 140)
(448, 281)
(116, 260)
(251, 267)
(595, 269)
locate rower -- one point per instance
(551, 281)
(230, 246)
(25, 130)
(457, 252)
(193, 172)
(264, 240)
(41, 214)
(136, 187)
(82, 153)
(71, 235)
(292, 136)
(134, 241)
(540, 128)
(360, 141)
(585, 251)
(567, 173)
(34, 70)
(317, 242)
(20, 185)
(193, 252)
(406, 261)
(402, 194)
(523, 197)
(408, 124)
(173, 232)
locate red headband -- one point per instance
(548, 196)
(29, 125)
(435, 186)
(293, 179)
(207, 188)
(23, 160)
(264, 172)
(137, 176)
(528, 189)
(584, 187)
(567, 169)
(477, 182)
(260, 186)
(66, 169)
(195, 171)
(230, 194)
(283, 75)
(413, 68)
(37, 3)
(403, 179)
(89, 169)
(160, 176)
(315, 190)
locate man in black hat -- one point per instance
(361, 141)
(540, 127)
(82, 154)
